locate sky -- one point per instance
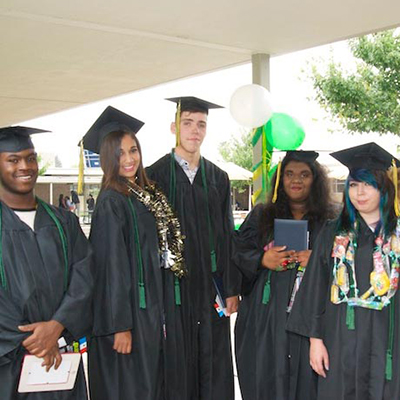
(290, 92)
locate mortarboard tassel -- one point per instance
(395, 183)
(178, 124)
(278, 177)
(81, 170)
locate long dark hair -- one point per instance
(109, 161)
(319, 205)
(380, 181)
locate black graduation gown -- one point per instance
(154, 369)
(272, 363)
(207, 334)
(356, 357)
(34, 269)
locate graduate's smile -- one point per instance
(26, 177)
(296, 188)
(130, 168)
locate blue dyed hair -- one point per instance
(380, 181)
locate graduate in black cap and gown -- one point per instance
(273, 364)
(348, 302)
(45, 272)
(137, 350)
(200, 193)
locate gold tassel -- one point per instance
(81, 171)
(395, 183)
(178, 124)
(278, 177)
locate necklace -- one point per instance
(384, 278)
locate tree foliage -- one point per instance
(367, 100)
(239, 151)
(42, 166)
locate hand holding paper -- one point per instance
(44, 337)
(53, 357)
(232, 304)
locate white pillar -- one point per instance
(51, 193)
(261, 76)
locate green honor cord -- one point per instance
(61, 233)
(389, 351)
(142, 292)
(210, 231)
(62, 237)
(172, 197)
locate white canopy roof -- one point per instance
(60, 54)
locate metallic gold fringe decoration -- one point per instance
(168, 226)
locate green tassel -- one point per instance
(266, 293)
(213, 261)
(388, 370)
(177, 292)
(350, 318)
(142, 296)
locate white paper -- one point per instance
(37, 374)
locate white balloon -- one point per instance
(251, 106)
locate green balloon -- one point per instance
(284, 132)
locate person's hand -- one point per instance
(123, 342)
(53, 357)
(319, 358)
(302, 257)
(275, 256)
(232, 304)
(44, 337)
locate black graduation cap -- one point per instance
(110, 120)
(190, 103)
(367, 156)
(14, 139)
(307, 156)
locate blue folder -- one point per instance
(291, 233)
